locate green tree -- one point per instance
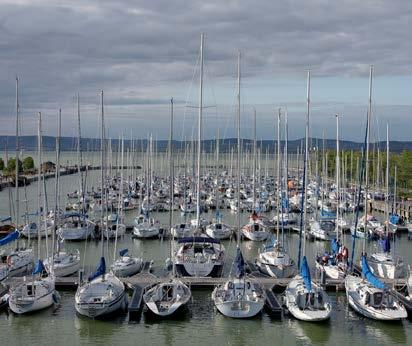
(1, 164)
(11, 165)
(28, 164)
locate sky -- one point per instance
(142, 53)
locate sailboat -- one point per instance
(62, 263)
(125, 265)
(370, 298)
(239, 297)
(273, 260)
(198, 255)
(368, 295)
(144, 225)
(171, 296)
(382, 263)
(218, 229)
(39, 292)
(304, 299)
(103, 293)
(20, 260)
(335, 264)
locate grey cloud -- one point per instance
(142, 53)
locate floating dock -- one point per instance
(145, 279)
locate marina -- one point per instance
(257, 207)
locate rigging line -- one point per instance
(361, 174)
(189, 93)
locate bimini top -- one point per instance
(198, 240)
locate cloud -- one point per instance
(142, 53)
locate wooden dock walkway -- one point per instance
(147, 279)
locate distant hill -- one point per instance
(29, 143)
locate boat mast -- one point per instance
(17, 218)
(238, 151)
(39, 158)
(387, 181)
(102, 173)
(254, 160)
(56, 245)
(79, 158)
(305, 176)
(199, 134)
(120, 201)
(171, 182)
(279, 190)
(367, 159)
(337, 177)
(286, 161)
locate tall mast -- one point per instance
(39, 158)
(199, 134)
(238, 150)
(337, 177)
(55, 245)
(286, 158)
(217, 171)
(79, 155)
(254, 159)
(17, 216)
(279, 190)
(306, 159)
(102, 171)
(387, 181)
(171, 180)
(367, 157)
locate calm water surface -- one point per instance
(202, 325)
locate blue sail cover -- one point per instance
(335, 246)
(372, 279)
(101, 269)
(39, 268)
(240, 264)
(123, 252)
(9, 238)
(394, 219)
(385, 244)
(5, 218)
(305, 273)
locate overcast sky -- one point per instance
(141, 53)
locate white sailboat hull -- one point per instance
(240, 308)
(25, 303)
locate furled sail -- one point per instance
(372, 279)
(305, 273)
(101, 269)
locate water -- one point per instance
(202, 325)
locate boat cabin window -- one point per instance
(31, 290)
(218, 226)
(256, 227)
(377, 299)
